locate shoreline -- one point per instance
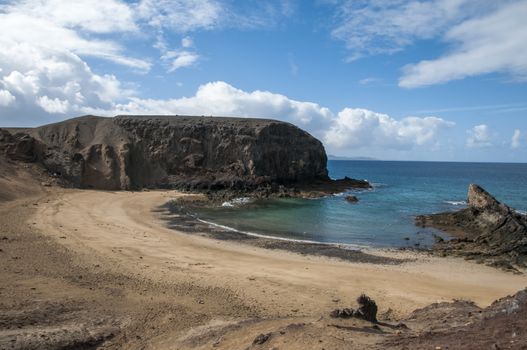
(179, 219)
(121, 262)
(138, 212)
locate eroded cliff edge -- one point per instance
(185, 152)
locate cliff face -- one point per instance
(128, 152)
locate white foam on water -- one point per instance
(456, 203)
(236, 202)
(259, 235)
(378, 184)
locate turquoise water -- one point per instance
(384, 216)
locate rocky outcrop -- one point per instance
(462, 324)
(203, 153)
(487, 230)
(367, 310)
(18, 146)
(351, 199)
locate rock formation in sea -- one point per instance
(351, 199)
(201, 153)
(487, 230)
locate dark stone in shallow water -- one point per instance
(351, 199)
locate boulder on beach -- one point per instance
(367, 310)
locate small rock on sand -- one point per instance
(261, 338)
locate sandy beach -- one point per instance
(111, 253)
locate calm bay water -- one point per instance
(384, 216)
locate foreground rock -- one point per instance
(367, 310)
(193, 153)
(464, 325)
(487, 230)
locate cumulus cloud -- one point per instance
(27, 22)
(479, 136)
(493, 43)
(54, 105)
(6, 98)
(356, 127)
(220, 98)
(44, 45)
(515, 141)
(54, 81)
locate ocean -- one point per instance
(384, 215)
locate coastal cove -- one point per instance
(383, 217)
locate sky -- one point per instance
(441, 80)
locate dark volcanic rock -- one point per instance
(464, 325)
(487, 230)
(261, 338)
(195, 153)
(18, 146)
(351, 199)
(367, 310)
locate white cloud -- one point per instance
(54, 105)
(91, 15)
(484, 36)
(39, 78)
(493, 43)
(183, 59)
(371, 80)
(479, 136)
(220, 98)
(19, 27)
(178, 58)
(356, 127)
(515, 141)
(184, 16)
(187, 42)
(181, 16)
(387, 26)
(44, 43)
(6, 98)
(25, 84)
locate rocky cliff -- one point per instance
(130, 152)
(487, 230)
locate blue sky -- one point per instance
(390, 79)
